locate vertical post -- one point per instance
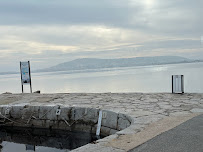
(172, 83)
(182, 80)
(21, 77)
(178, 84)
(30, 77)
(99, 123)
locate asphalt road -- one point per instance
(187, 137)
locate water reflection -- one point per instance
(41, 140)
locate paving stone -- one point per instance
(65, 113)
(91, 115)
(97, 148)
(105, 130)
(139, 113)
(179, 113)
(16, 112)
(197, 110)
(123, 121)
(143, 108)
(110, 120)
(113, 131)
(5, 111)
(48, 112)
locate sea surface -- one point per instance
(146, 79)
(19, 139)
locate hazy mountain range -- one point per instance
(94, 63)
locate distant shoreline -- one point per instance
(101, 69)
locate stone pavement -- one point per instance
(146, 109)
(187, 137)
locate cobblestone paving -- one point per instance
(143, 108)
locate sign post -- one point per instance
(25, 74)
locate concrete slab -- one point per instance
(186, 137)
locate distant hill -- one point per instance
(93, 63)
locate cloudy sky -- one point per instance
(48, 32)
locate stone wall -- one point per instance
(61, 117)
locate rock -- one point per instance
(7, 93)
(38, 91)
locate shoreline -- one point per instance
(100, 70)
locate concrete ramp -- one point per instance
(187, 137)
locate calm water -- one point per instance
(134, 79)
(41, 140)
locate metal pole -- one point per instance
(21, 77)
(30, 77)
(99, 123)
(172, 83)
(182, 80)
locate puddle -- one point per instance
(41, 140)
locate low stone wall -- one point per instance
(146, 109)
(61, 117)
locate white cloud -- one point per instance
(57, 31)
(36, 39)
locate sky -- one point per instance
(49, 32)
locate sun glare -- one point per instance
(146, 3)
(149, 3)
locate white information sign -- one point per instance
(25, 73)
